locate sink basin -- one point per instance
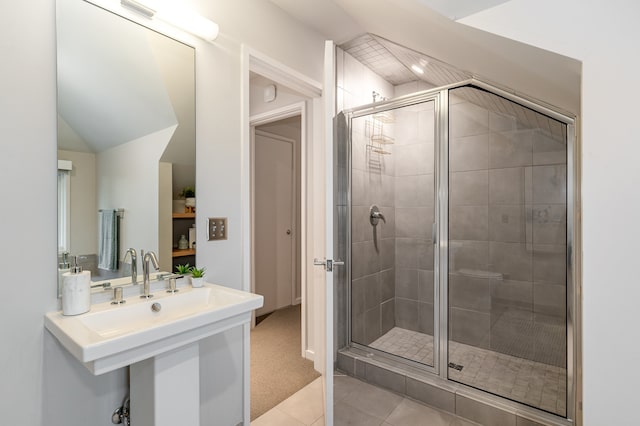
(113, 336)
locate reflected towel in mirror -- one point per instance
(108, 240)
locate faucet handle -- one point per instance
(172, 285)
(117, 296)
(172, 282)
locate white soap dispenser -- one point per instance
(76, 290)
(63, 268)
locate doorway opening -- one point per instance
(276, 220)
(281, 355)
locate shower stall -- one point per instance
(454, 211)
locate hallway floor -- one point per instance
(533, 383)
(356, 403)
(278, 370)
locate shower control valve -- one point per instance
(375, 215)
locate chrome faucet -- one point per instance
(134, 264)
(145, 271)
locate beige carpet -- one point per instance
(278, 369)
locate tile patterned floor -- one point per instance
(356, 403)
(539, 385)
(303, 408)
(407, 344)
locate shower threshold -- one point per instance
(529, 382)
(455, 397)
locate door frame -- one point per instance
(254, 61)
(294, 215)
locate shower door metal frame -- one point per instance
(412, 99)
(440, 96)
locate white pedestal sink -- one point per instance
(160, 345)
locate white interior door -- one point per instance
(273, 220)
(329, 112)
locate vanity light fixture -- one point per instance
(178, 17)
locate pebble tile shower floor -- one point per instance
(539, 385)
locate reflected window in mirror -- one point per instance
(64, 203)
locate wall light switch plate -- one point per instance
(217, 228)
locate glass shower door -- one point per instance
(392, 212)
(507, 275)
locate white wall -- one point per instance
(603, 35)
(127, 178)
(165, 216)
(59, 391)
(28, 125)
(284, 95)
(266, 29)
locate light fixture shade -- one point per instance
(139, 8)
(190, 22)
(176, 16)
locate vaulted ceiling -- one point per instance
(113, 90)
(428, 27)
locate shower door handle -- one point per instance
(327, 263)
(434, 233)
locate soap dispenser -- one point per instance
(63, 267)
(76, 290)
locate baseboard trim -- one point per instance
(309, 354)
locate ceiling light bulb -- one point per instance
(417, 69)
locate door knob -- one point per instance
(288, 231)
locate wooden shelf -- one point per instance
(181, 253)
(184, 215)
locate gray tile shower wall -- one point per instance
(507, 230)
(392, 263)
(373, 251)
(414, 214)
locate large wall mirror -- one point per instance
(126, 140)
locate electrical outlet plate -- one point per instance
(217, 228)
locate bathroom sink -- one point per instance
(113, 336)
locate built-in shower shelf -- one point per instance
(378, 150)
(383, 139)
(384, 117)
